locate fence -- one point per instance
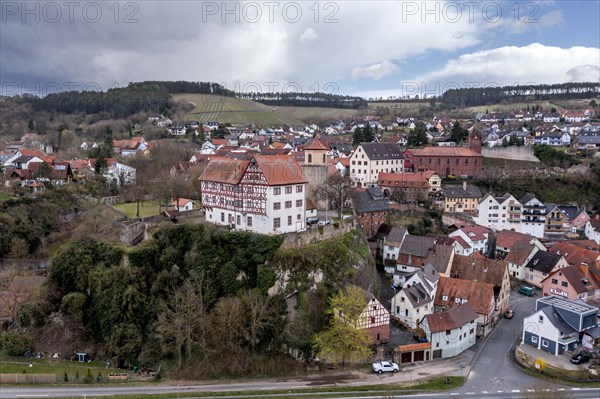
(27, 379)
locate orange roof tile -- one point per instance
(480, 295)
(280, 169)
(414, 347)
(444, 152)
(229, 171)
(318, 144)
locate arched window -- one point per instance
(309, 158)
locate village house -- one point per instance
(490, 271)
(370, 159)
(461, 199)
(375, 318)
(507, 239)
(557, 220)
(441, 256)
(557, 323)
(554, 139)
(573, 282)
(452, 292)
(410, 187)
(451, 332)
(533, 216)
(393, 242)
(499, 213)
(370, 209)
(415, 299)
(592, 229)
(130, 147)
(413, 253)
(576, 254)
(519, 257)
(265, 195)
(541, 265)
(470, 240)
(183, 204)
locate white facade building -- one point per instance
(499, 213)
(266, 195)
(369, 159)
(451, 332)
(415, 300)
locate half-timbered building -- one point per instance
(265, 195)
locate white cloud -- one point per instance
(510, 65)
(531, 20)
(375, 71)
(308, 34)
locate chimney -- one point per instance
(465, 186)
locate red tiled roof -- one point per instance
(508, 238)
(229, 171)
(408, 180)
(280, 169)
(414, 347)
(344, 161)
(454, 318)
(574, 254)
(318, 144)
(444, 152)
(480, 295)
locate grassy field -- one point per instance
(149, 208)
(312, 113)
(398, 108)
(237, 111)
(58, 368)
(514, 107)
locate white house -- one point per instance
(556, 324)
(369, 159)
(451, 332)
(519, 256)
(121, 173)
(415, 300)
(541, 265)
(499, 213)
(470, 239)
(265, 195)
(592, 230)
(393, 242)
(183, 204)
(533, 216)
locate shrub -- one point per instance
(15, 343)
(88, 379)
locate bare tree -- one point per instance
(335, 191)
(227, 317)
(256, 307)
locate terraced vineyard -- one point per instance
(209, 107)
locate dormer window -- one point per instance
(457, 300)
(444, 297)
(541, 319)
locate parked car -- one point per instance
(324, 222)
(529, 291)
(312, 220)
(418, 338)
(384, 366)
(509, 314)
(580, 358)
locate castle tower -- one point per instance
(316, 152)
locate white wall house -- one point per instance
(499, 213)
(369, 159)
(415, 300)
(393, 242)
(475, 238)
(451, 332)
(266, 195)
(533, 218)
(592, 230)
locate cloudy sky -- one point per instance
(367, 48)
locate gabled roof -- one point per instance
(417, 246)
(520, 252)
(383, 231)
(543, 261)
(508, 238)
(403, 180)
(377, 151)
(582, 279)
(280, 170)
(479, 269)
(396, 235)
(417, 294)
(439, 257)
(364, 202)
(574, 254)
(556, 320)
(479, 294)
(475, 232)
(458, 191)
(453, 318)
(229, 171)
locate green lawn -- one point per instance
(148, 208)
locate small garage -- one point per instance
(437, 354)
(414, 352)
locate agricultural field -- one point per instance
(521, 106)
(398, 107)
(315, 113)
(233, 110)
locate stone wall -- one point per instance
(318, 233)
(512, 152)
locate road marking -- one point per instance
(484, 392)
(32, 396)
(560, 389)
(470, 393)
(515, 390)
(454, 393)
(530, 390)
(500, 391)
(576, 389)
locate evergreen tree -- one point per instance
(418, 137)
(357, 137)
(31, 125)
(367, 133)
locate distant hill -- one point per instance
(237, 111)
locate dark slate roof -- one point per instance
(363, 202)
(557, 321)
(543, 261)
(377, 151)
(417, 246)
(526, 198)
(458, 192)
(570, 210)
(589, 138)
(383, 231)
(23, 159)
(417, 295)
(396, 234)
